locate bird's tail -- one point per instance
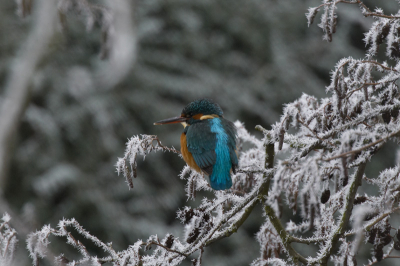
(220, 180)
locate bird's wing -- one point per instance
(230, 130)
(201, 143)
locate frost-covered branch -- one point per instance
(334, 138)
(211, 221)
(334, 127)
(313, 160)
(329, 16)
(367, 227)
(365, 147)
(262, 192)
(37, 243)
(295, 257)
(8, 241)
(142, 146)
(348, 207)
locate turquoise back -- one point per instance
(212, 143)
(225, 150)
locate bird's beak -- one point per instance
(173, 120)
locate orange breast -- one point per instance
(187, 156)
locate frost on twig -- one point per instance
(213, 220)
(384, 27)
(322, 148)
(8, 241)
(320, 167)
(138, 145)
(37, 244)
(330, 142)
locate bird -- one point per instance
(208, 141)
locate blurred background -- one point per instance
(101, 78)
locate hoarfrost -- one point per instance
(322, 148)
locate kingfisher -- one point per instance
(208, 141)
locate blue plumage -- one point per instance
(221, 177)
(212, 143)
(202, 106)
(208, 141)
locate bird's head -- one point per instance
(194, 112)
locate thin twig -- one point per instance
(369, 13)
(375, 221)
(312, 131)
(379, 64)
(165, 148)
(305, 241)
(14, 234)
(283, 235)
(374, 14)
(387, 256)
(164, 247)
(345, 216)
(360, 88)
(363, 148)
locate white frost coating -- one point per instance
(312, 11)
(270, 261)
(328, 140)
(8, 241)
(210, 221)
(6, 218)
(359, 116)
(319, 144)
(138, 145)
(37, 242)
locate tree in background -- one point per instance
(313, 160)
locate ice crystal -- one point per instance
(8, 240)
